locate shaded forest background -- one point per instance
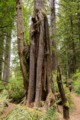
(64, 29)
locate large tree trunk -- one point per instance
(53, 32)
(63, 96)
(40, 57)
(6, 69)
(39, 87)
(21, 46)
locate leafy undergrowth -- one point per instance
(76, 82)
(15, 89)
(20, 112)
(24, 113)
(3, 100)
(12, 91)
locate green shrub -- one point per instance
(50, 114)
(3, 98)
(2, 86)
(76, 82)
(22, 113)
(15, 89)
(76, 76)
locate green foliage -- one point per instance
(76, 76)
(2, 86)
(7, 18)
(55, 85)
(27, 13)
(22, 113)
(3, 98)
(76, 82)
(50, 114)
(15, 89)
(68, 36)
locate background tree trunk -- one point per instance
(21, 46)
(53, 32)
(71, 57)
(1, 56)
(6, 69)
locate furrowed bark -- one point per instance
(33, 60)
(48, 55)
(38, 5)
(50, 99)
(40, 65)
(40, 58)
(31, 90)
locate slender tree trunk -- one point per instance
(1, 56)
(73, 48)
(53, 32)
(63, 96)
(78, 65)
(20, 40)
(6, 69)
(72, 56)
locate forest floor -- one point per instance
(8, 110)
(74, 114)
